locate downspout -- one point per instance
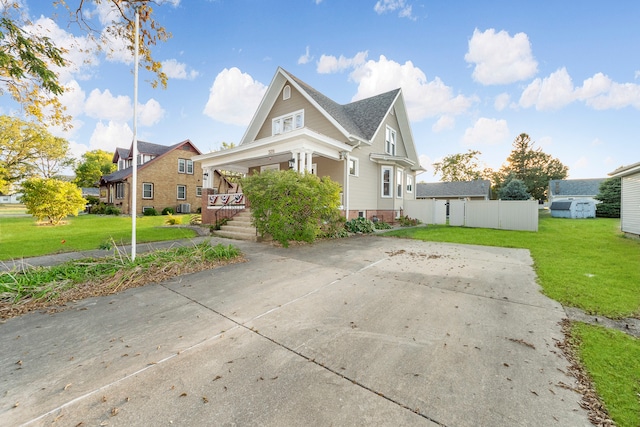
(346, 186)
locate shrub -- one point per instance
(359, 225)
(168, 211)
(195, 219)
(405, 221)
(290, 206)
(112, 210)
(150, 212)
(219, 223)
(173, 220)
(52, 199)
(381, 225)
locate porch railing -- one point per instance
(226, 205)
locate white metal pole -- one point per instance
(134, 179)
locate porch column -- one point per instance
(296, 162)
(308, 159)
(207, 177)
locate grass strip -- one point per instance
(38, 287)
(612, 360)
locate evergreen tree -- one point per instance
(610, 194)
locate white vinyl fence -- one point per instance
(500, 214)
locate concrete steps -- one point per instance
(239, 228)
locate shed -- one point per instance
(573, 208)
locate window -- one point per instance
(147, 190)
(182, 192)
(387, 181)
(185, 166)
(122, 164)
(399, 174)
(353, 166)
(120, 190)
(287, 123)
(198, 191)
(286, 93)
(409, 183)
(390, 141)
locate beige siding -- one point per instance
(630, 203)
(313, 119)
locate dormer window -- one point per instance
(287, 123)
(286, 93)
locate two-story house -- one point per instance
(366, 146)
(166, 177)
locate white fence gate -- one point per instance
(500, 214)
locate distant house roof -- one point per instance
(626, 170)
(455, 189)
(575, 187)
(155, 150)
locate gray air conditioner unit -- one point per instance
(184, 208)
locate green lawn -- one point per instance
(21, 237)
(585, 263)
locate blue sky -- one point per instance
(474, 74)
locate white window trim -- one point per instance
(182, 165)
(356, 166)
(277, 124)
(198, 191)
(399, 183)
(273, 167)
(390, 169)
(390, 143)
(409, 183)
(189, 167)
(178, 192)
(286, 93)
(151, 186)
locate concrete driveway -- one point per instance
(358, 331)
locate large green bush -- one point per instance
(290, 206)
(51, 199)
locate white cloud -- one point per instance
(117, 49)
(443, 123)
(487, 132)
(178, 70)
(500, 58)
(111, 136)
(105, 106)
(423, 98)
(234, 97)
(404, 10)
(150, 113)
(426, 162)
(618, 96)
(550, 93)
(637, 74)
(330, 64)
(597, 142)
(306, 57)
(502, 101)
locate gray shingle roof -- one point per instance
(575, 187)
(360, 118)
(453, 189)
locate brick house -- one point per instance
(166, 177)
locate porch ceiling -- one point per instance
(274, 149)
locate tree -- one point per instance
(94, 164)
(27, 150)
(460, 167)
(288, 205)
(28, 60)
(532, 166)
(51, 199)
(610, 194)
(513, 189)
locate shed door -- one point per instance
(581, 209)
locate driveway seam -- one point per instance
(299, 354)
